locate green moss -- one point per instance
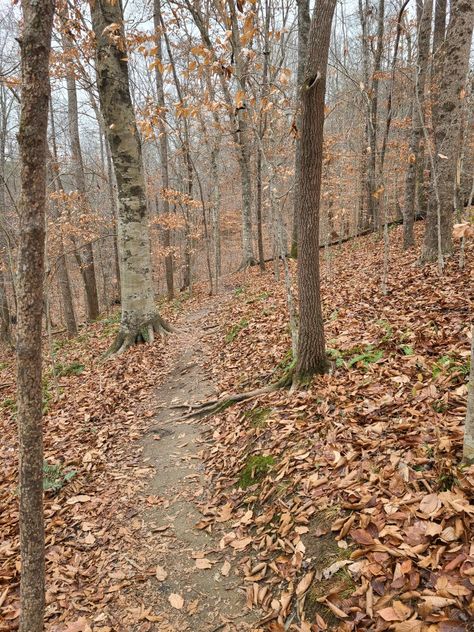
(236, 329)
(257, 416)
(256, 468)
(63, 370)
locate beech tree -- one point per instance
(311, 356)
(447, 116)
(35, 46)
(140, 318)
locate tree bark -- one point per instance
(447, 118)
(140, 318)
(35, 45)
(86, 253)
(468, 447)
(415, 169)
(61, 263)
(311, 345)
(163, 133)
(304, 22)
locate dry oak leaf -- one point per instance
(83, 498)
(161, 574)
(397, 612)
(430, 504)
(241, 544)
(304, 583)
(80, 625)
(176, 601)
(361, 536)
(225, 570)
(203, 563)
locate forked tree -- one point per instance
(140, 319)
(35, 46)
(311, 356)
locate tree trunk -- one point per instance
(140, 318)
(5, 333)
(414, 179)
(311, 345)
(86, 252)
(61, 263)
(468, 447)
(304, 22)
(35, 46)
(244, 140)
(447, 119)
(163, 131)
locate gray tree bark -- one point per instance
(304, 22)
(163, 133)
(447, 118)
(85, 252)
(415, 169)
(61, 263)
(311, 357)
(35, 46)
(140, 318)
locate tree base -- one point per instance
(247, 263)
(145, 333)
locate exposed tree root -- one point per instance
(145, 333)
(247, 263)
(211, 407)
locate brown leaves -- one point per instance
(364, 444)
(176, 601)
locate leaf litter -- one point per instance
(363, 518)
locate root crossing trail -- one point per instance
(195, 587)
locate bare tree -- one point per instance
(468, 448)
(35, 45)
(85, 252)
(447, 118)
(163, 132)
(311, 345)
(414, 179)
(140, 319)
(304, 22)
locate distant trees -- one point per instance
(35, 45)
(140, 319)
(311, 357)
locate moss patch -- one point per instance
(324, 551)
(256, 468)
(258, 416)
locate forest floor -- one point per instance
(341, 506)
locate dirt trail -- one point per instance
(212, 601)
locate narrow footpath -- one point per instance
(195, 586)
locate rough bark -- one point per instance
(35, 46)
(5, 333)
(416, 154)
(86, 253)
(468, 447)
(248, 257)
(447, 119)
(304, 22)
(240, 138)
(163, 133)
(64, 281)
(140, 318)
(311, 345)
